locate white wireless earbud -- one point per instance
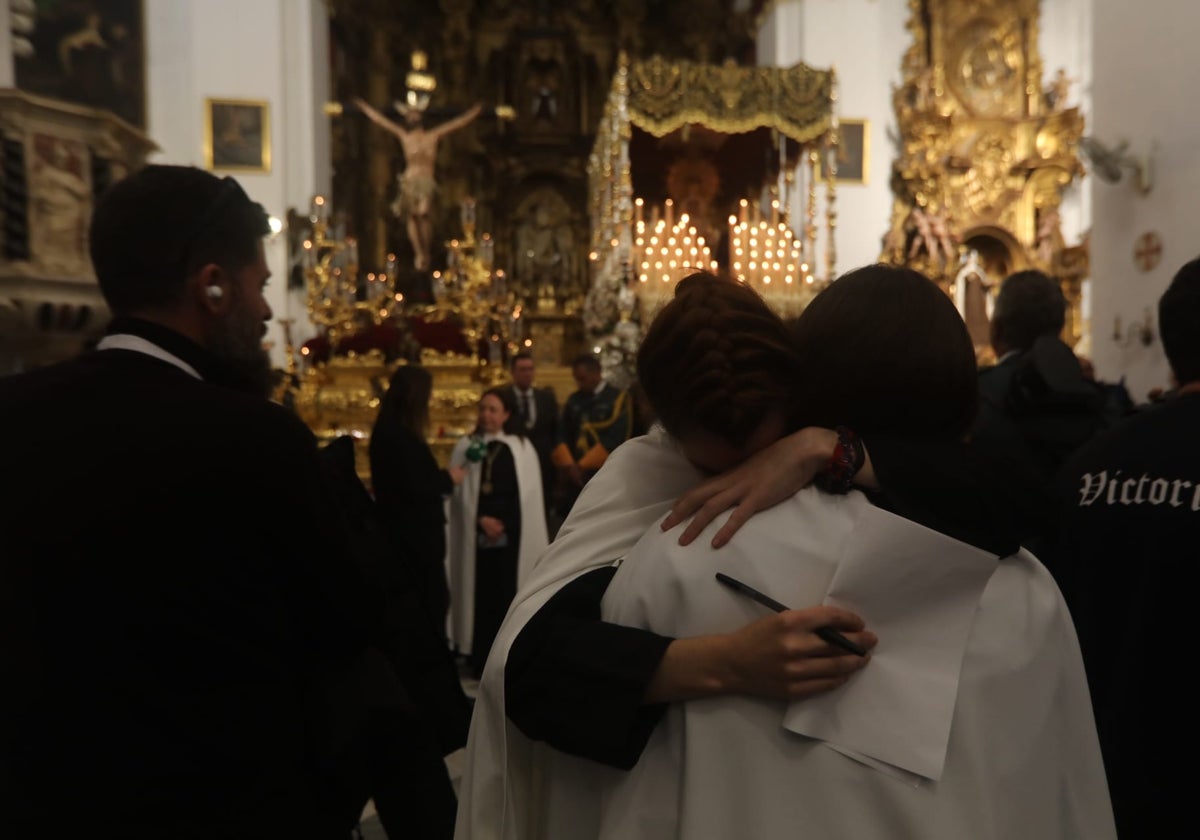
(214, 292)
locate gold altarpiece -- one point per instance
(984, 152)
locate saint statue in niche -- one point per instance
(973, 297)
(543, 72)
(546, 252)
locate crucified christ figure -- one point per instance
(417, 185)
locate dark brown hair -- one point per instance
(884, 350)
(406, 402)
(513, 425)
(1029, 306)
(155, 228)
(716, 358)
(1179, 323)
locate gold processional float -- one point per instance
(639, 250)
(341, 395)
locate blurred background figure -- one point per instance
(596, 419)
(497, 524)
(410, 489)
(537, 409)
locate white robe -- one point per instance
(462, 541)
(632, 491)
(503, 791)
(1021, 756)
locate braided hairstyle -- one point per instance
(716, 358)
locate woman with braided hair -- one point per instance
(726, 380)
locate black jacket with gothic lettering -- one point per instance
(1125, 557)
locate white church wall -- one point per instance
(1066, 42)
(1145, 73)
(263, 50)
(863, 40)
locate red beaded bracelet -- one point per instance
(847, 459)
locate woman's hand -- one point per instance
(492, 527)
(761, 481)
(457, 474)
(777, 657)
(781, 656)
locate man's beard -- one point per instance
(237, 342)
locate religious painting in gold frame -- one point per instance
(237, 135)
(854, 152)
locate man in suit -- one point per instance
(596, 419)
(538, 409)
(181, 633)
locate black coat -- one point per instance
(543, 434)
(173, 604)
(410, 491)
(1125, 558)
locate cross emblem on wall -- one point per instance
(1148, 251)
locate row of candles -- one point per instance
(764, 253)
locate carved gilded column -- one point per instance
(379, 156)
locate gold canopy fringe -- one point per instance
(666, 95)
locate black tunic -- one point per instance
(495, 565)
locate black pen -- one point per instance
(827, 634)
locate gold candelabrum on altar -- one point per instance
(475, 294)
(337, 300)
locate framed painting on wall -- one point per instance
(854, 152)
(237, 135)
(89, 52)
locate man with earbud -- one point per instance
(179, 628)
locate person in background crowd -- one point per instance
(410, 489)
(1036, 406)
(1124, 553)
(177, 619)
(497, 525)
(537, 409)
(596, 419)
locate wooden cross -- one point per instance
(1148, 251)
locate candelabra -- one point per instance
(475, 294)
(336, 300)
(767, 255)
(1140, 331)
(666, 251)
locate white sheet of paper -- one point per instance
(918, 590)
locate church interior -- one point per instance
(966, 139)
(451, 183)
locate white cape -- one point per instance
(1021, 757)
(632, 491)
(461, 542)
